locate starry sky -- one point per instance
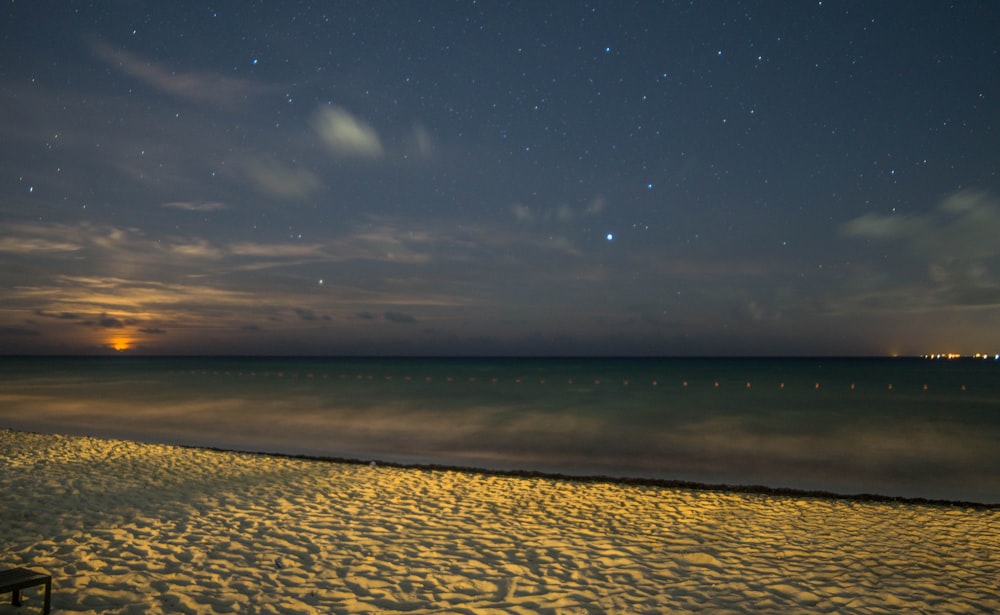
(500, 178)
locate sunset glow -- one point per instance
(120, 344)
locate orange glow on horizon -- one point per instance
(120, 344)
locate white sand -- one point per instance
(131, 528)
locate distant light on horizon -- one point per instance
(955, 355)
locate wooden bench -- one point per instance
(16, 579)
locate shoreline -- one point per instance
(577, 478)
(624, 480)
(126, 527)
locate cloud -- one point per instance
(346, 134)
(19, 332)
(58, 316)
(388, 244)
(558, 213)
(957, 243)
(27, 245)
(399, 317)
(964, 225)
(278, 179)
(875, 226)
(196, 205)
(200, 87)
(109, 322)
(196, 249)
(965, 283)
(82, 294)
(309, 315)
(391, 316)
(277, 250)
(421, 142)
(522, 213)
(973, 224)
(389, 270)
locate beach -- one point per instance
(125, 527)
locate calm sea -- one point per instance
(899, 427)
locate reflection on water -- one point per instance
(897, 427)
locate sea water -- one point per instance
(898, 427)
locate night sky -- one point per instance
(500, 178)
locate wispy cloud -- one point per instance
(390, 271)
(196, 205)
(277, 179)
(28, 245)
(199, 249)
(346, 134)
(421, 142)
(278, 250)
(964, 225)
(563, 212)
(957, 243)
(200, 87)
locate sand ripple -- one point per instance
(130, 528)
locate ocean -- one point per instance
(914, 428)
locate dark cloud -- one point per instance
(305, 314)
(108, 322)
(20, 331)
(309, 315)
(399, 317)
(59, 316)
